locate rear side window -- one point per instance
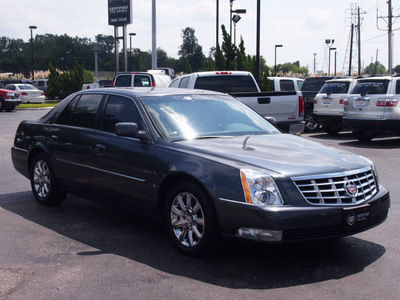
(142, 81)
(335, 88)
(123, 80)
(398, 87)
(120, 109)
(287, 85)
(85, 111)
(371, 87)
(226, 83)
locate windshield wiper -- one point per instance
(203, 137)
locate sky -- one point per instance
(302, 27)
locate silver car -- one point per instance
(372, 107)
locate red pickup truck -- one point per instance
(9, 100)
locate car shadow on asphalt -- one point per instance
(348, 139)
(142, 239)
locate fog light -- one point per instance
(260, 234)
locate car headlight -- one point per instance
(372, 165)
(260, 189)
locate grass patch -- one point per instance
(47, 103)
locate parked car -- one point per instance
(205, 161)
(287, 107)
(28, 93)
(41, 84)
(373, 107)
(9, 100)
(328, 104)
(98, 84)
(310, 89)
(140, 79)
(286, 83)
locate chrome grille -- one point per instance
(352, 187)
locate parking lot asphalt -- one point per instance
(86, 250)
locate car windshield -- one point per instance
(371, 87)
(183, 117)
(335, 88)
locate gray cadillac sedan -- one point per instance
(204, 161)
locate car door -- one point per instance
(72, 141)
(127, 164)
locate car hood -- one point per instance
(282, 154)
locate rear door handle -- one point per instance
(99, 148)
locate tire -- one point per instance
(191, 220)
(332, 129)
(311, 125)
(44, 183)
(363, 136)
(1, 104)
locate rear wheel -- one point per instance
(191, 219)
(311, 124)
(363, 136)
(44, 183)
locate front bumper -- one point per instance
(12, 102)
(303, 223)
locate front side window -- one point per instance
(398, 87)
(120, 109)
(174, 84)
(184, 82)
(85, 111)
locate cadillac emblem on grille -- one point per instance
(351, 188)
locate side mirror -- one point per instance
(271, 120)
(131, 130)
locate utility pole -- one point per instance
(315, 55)
(359, 40)
(390, 33)
(351, 47)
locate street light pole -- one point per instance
(235, 19)
(276, 46)
(237, 11)
(31, 28)
(130, 46)
(329, 61)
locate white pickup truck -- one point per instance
(286, 107)
(281, 84)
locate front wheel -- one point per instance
(44, 183)
(191, 219)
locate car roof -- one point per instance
(147, 92)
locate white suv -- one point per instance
(328, 104)
(372, 107)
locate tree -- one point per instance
(396, 69)
(375, 68)
(229, 50)
(190, 49)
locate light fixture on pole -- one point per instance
(237, 11)
(235, 19)
(31, 28)
(131, 34)
(276, 46)
(329, 61)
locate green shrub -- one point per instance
(61, 84)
